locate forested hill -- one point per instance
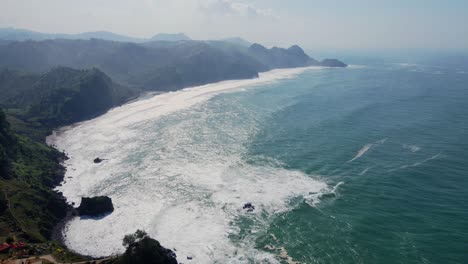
(29, 208)
(160, 65)
(51, 83)
(59, 97)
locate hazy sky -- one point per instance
(350, 24)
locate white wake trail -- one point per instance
(366, 148)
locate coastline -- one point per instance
(206, 91)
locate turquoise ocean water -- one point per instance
(396, 138)
(390, 142)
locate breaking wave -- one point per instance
(175, 166)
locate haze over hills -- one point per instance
(16, 34)
(238, 41)
(170, 37)
(49, 83)
(40, 87)
(159, 65)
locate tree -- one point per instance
(143, 249)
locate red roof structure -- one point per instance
(4, 247)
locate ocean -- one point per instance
(367, 164)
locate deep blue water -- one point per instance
(405, 199)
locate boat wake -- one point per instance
(366, 148)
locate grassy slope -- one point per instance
(29, 170)
(29, 208)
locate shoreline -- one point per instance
(207, 89)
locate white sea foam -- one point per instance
(357, 66)
(175, 167)
(313, 199)
(407, 64)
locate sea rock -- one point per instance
(96, 206)
(333, 63)
(249, 207)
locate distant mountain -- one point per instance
(154, 66)
(106, 36)
(281, 58)
(137, 52)
(170, 37)
(16, 34)
(292, 57)
(22, 34)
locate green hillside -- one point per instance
(62, 96)
(28, 171)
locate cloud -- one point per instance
(233, 8)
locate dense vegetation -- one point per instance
(29, 170)
(60, 97)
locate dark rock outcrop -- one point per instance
(143, 249)
(95, 206)
(249, 207)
